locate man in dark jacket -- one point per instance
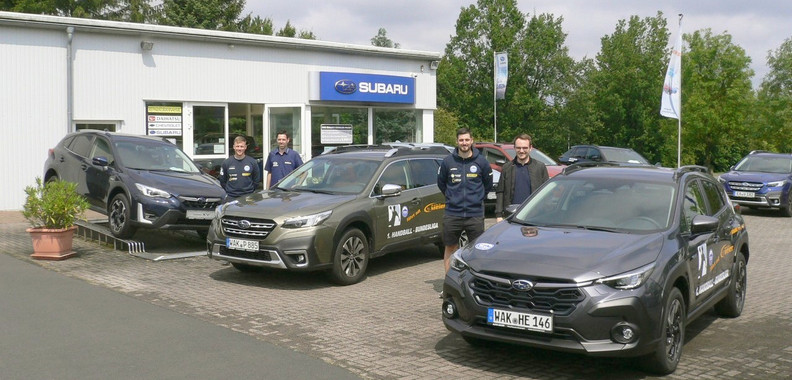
(465, 177)
(239, 174)
(520, 177)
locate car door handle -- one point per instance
(416, 201)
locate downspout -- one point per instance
(69, 79)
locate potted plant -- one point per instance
(52, 208)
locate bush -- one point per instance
(54, 205)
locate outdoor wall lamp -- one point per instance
(433, 65)
(146, 45)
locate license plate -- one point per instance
(200, 214)
(243, 245)
(744, 194)
(522, 321)
(491, 195)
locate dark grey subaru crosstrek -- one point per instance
(604, 260)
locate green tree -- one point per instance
(255, 25)
(625, 87)
(202, 14)
(287, 31)
(774, 126)
(445, 126)
(382, 40)
(465, 77)
(717, 100)
(96, 9)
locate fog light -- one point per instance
(449, 309)
(624, 333)
(298, 257)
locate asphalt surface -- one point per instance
(386, 327)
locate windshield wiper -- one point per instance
(317, 191)
(605, 229)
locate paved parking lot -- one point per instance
(389, 325)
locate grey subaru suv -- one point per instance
(604, 261)
(336, 212)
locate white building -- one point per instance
(199, 88)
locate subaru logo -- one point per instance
(345, 86)
(202, 200)
(244, 224)
(522, 285)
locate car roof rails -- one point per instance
(588, 164)
(406, 151)
(759, 151)
(690, 169)
(355, 148)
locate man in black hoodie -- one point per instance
(465, 177)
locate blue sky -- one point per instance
(757, 26)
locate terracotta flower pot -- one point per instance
(52, 244)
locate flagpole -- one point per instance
(679, 119)
(495, 93)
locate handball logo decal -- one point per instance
(345, 86)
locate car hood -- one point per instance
(754, 176)
(284, 204)
(179, 183)
(572, 254)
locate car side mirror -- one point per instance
(702, 224)
(100, 161)
(390, 190)
(500, 162)
(510, 209)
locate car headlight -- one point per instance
(775, 184)
(457, 263)
(306, 221)
(629, 280)
(152, 191)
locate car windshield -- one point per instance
(623, 155)
(540, 156)
(155, 156)
(331, 174)
(600, 203)
(765, 164)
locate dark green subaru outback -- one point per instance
(336, 212)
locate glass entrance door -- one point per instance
(288, 119)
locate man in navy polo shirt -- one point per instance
(281, 161)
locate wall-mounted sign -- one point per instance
(336, 134)
(351, 87)
(164, 119)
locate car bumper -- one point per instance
(305, 249)
(171, 214)
(588, 328)
(771, 199)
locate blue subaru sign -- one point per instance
(349, 87)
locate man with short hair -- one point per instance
(281, 161)
(520, 177)
(464, 177)
(239, 174)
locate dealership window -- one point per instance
(397, 125)
(356, 118)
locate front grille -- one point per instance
(200, 203)
(746, 186)
(259, 256)
(235, 226)
(561, 301)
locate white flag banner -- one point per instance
(501, 75)
(671, 103)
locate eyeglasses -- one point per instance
(522, 147)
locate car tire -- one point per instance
(786, 210)
(672, 336)
(119, 217)
(246, 268)
(350, 258)
(732, 305)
